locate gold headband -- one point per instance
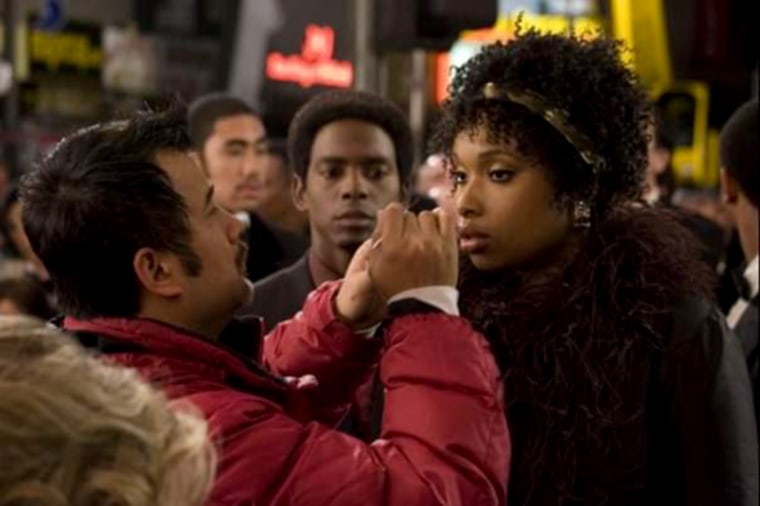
(557, 118)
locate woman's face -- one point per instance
(507, 217)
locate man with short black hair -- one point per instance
(352, 155)
(234, 149)
(149, 269)
(741, 193)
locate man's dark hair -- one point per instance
(9, 200)
(279, 147)
(208, 109)
(738, 150)
(585, 78)
(98, 198)
(347, 104)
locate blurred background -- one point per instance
(71, 62)
(68, 63)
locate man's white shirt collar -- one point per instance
(751, 276)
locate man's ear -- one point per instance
(729, 187)
(157, 272)
(298, 191)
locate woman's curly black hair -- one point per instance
(585, 77)
(579, 345)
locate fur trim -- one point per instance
(576, 350)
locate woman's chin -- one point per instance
(485, 263)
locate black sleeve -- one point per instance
(712, 409)
(410, 306)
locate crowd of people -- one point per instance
(238, 320)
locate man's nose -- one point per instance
(353, 185)
(252, 165)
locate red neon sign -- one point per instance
(315, 65)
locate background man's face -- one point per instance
(234, 155)
(352, 174)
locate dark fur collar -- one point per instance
(575, 349)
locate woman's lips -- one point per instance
(472, 242)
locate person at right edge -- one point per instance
(739, 160)
(624, 385)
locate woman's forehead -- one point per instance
(481, 138)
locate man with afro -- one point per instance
(351, 153)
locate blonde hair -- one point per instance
(76, 431)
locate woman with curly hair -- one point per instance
(622, 384)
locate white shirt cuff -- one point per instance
(367, 333)
(443, 297)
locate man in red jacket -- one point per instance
(149, 270)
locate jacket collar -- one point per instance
(159, 338)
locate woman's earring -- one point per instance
(581, 215)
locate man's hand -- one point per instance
(413, 251)
(358, 303)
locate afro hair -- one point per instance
(584, 77)
(347, 104)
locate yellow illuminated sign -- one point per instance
(506, 26)
(56, 49)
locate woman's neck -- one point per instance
(540, 271)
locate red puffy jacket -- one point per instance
(444, 438)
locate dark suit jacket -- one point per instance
(281, 295)
(270, 248)
(710, 235)
(746, 331)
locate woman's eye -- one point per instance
(457, 177)
(500, 175)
